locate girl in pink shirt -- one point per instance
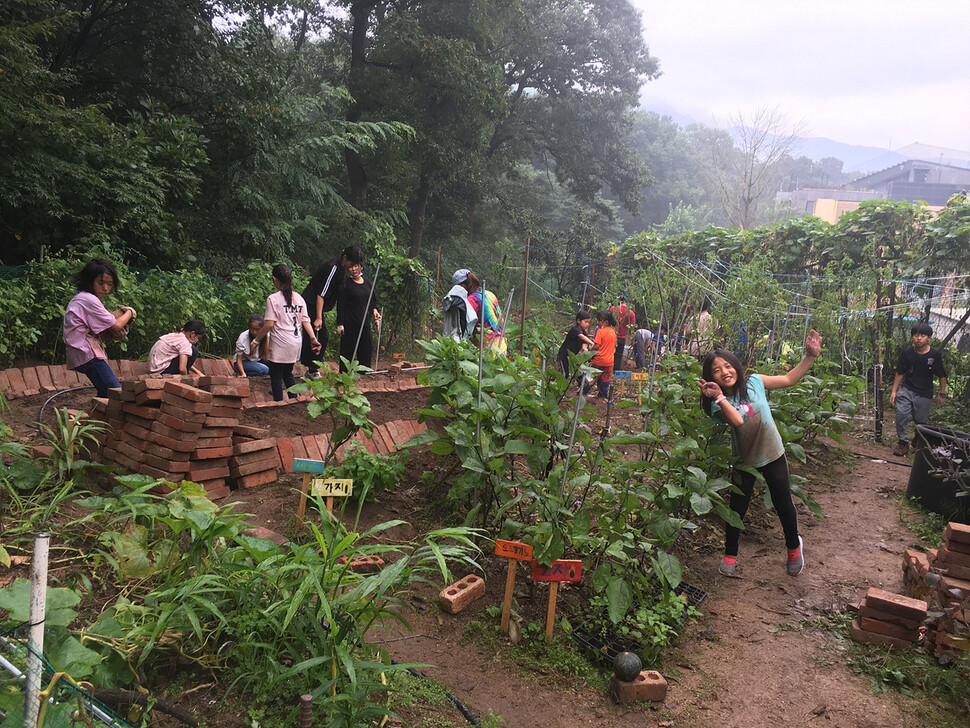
(286, 315)
(87, 323)
(176, 353)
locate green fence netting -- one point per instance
(64, 704)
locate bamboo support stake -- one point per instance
(525, 290)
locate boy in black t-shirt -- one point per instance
(915, 372)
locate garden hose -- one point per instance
(40, 416)
(462, 708)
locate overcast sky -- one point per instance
(872, 72)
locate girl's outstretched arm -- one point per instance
(813, 347)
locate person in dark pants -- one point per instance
(913, 384)
(321, 295)
(354, 316)
(731, 396)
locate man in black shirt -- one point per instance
(915, 372)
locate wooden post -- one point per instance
(551, 609)
(309, 468)
(525, 291)
(557, 571)
(509, 592)
(513, 551)
(437, 275)
(877, 374)
(301, 511)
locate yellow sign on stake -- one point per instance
(332, 487)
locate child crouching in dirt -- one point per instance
(730, 395)
(176, 353)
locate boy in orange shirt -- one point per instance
(605, 344)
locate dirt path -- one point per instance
(756, 659)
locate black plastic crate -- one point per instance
(604, 650)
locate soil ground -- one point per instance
(755, 659)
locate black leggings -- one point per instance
(779, 486)
(280, 374)
(173, 366)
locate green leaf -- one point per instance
(619, 598)
(669, 568)
(700, 504)
(67, 654)
(15, 598)
(797, 451)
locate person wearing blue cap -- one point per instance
(459, 316)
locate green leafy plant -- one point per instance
(372, 473)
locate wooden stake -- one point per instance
(551, 611)
(509, 589)
(301, 511)
(525, 291)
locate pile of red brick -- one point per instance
(888, 619)
(950, 632)
(178, 429)
(255, 458)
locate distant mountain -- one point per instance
(855, 157)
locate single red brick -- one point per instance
(257, 479)
(959, 532)
(171, 432)
(45, 379)
(216, 489)
(58, 376)
(258, 466)
(890, 630)
(947, 583)
(216, 380)
(285, 450)
(207, 443)
(377, 438)
(184, 414)
(648, 686)
(299, 449)
(127, 463)
(323, 442)
(159, 474)
(239, 390)
(367, 564)
(178, 424)
(252, 433)
(215, 432)
(946, 556)
(139, 432)
(227, 414)
(124, 370)
(31, 382)
(221, 367)
(127, 450)
(18, 387)
(896, 604)
(180, 456)
(222, 422)
(259, 456)
(172, 443)
(149, 398)
(860, 635)
(139, 368)
(206, 473)
(255, 445)
(212, 452)
(38, 452)
(463, 592)
(312, 448)
(867, 612)
(139, 410)
(369, 445)
(171, 466)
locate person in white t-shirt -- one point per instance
(247, 362)
(285, 317)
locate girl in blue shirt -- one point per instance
(730, 395)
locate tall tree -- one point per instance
(746, 174)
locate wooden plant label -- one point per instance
(623, 374)
(513, 550)
(333, 487)
(557, 571)
(640, 376)
(562, 570)
(308, 466)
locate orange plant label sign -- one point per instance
(513, 550)
(562, 570)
